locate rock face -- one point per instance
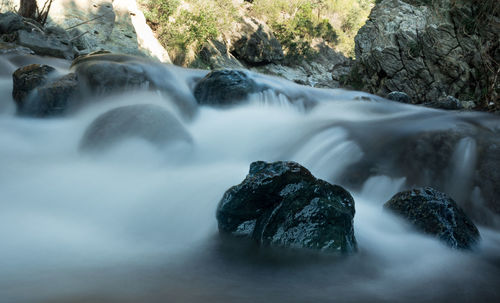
(144, 121)
(430, 50)
(434, 213)
(255, 43)
(282, 204)
(224, 87)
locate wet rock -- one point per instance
(26, 79)
(255, 43)
(435, 213)
(148, 122)
(399, 97)
(38, 91)
(282, 204)
(50, 43)
(105, 77)
(14, 49)
(53, 98)
(225, 87)
(448, 102)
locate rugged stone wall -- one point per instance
(431, 49)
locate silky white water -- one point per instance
(137, 223)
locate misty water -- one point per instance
(136, 223)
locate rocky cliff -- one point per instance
(431, 50)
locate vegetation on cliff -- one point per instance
(187, 24)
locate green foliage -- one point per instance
(184, 25)
(297, 23)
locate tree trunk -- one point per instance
(28, 8)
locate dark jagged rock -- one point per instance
(435, 213)
(28, 78)
(399, 97)
(144, 121)
(224, 87)
(282, 204)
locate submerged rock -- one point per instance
(105, 77)
(225, 87)
(435, 213)
(282, 204)
(144, 121)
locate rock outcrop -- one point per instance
(255, 43)
(435, 213)
(431, 50)
(282, 204)
(46, 41)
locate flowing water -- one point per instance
(136, 223)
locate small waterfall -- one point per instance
(137, 222)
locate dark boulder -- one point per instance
(27, 78)
(282, 204)
(399, 97)
(38, 91)
(435, 213)
(53, 98)
(225, 87)
(149, 122)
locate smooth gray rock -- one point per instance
(149, 122)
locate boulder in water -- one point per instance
(27, 78)
(105, 77)
(435, 213)
(282, 204)
(38, 94)
(399, 97)
(225, 87)
(144, 121)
